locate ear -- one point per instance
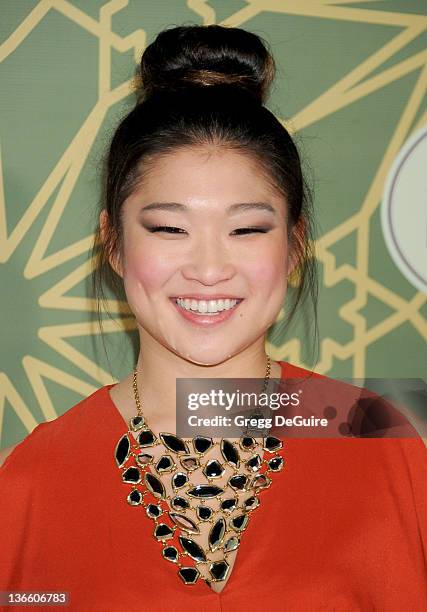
(104, 225)
(296, 239)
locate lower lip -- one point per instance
(206, 320)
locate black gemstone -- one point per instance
(202, 444)
(238, 482)
(276, 464)
(189, 574)
(230, 453)
(219, 570)
(216, 534)
(173, 443)
(205, 491)
(162, 531)
(192, 548)
(228, 505)
(204, 512)
(153, 511)
(146, 438)
(155, 485)
(254, 463)
(240, 522)
(136, 422)
(134, 497)
(132, 474)
(122, 450)
(247, 442)
(213, 469)
(271, 443)
(180, 503)
(164, 463)
(251, 503)
(170, 553)
(179, 480)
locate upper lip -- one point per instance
(198, 296)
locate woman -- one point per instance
(205, 215)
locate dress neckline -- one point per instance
(118, 418)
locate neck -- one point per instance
(158, 368)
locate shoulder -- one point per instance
(60, 435)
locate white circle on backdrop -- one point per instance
(404, 210)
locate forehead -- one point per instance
(203, 175)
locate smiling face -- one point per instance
(210, 254)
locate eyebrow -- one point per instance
(176, 206)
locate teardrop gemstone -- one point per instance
(190, 463)
(230, 453)
(122, 450)
(192, 549)
(204, 513)
(163, 531)
(228, 505)
(231, 544)
(216, 534)
(136, 423)
(179, 480)
(254, 463)
(238, 482)
(184, 522)
(219, 570)
(213, 469)
(146, 438)
(134, 498)
(276, 464)
(173, 443)
(155, 485)
(132, 475)
(271, 444)
(239, 522)
(165, 464)
(247, 442)
(153, 511)
(202, 444)
(180, 503)
(189, 575)
(170, 553)
(205, 491)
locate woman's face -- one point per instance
(210, 197)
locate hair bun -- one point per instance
(204, 56)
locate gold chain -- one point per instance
(138, 401)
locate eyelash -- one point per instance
(165, 228)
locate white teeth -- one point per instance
(210, 307)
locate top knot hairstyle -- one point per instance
(201, 86)
(207, 55)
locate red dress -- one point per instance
(343, 526)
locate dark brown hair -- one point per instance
(206, 86)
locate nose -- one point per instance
(209, 262)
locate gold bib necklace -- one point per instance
(191, 505)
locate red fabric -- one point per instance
(343, 526)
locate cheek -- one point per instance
(147, 268)
(268, 270)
